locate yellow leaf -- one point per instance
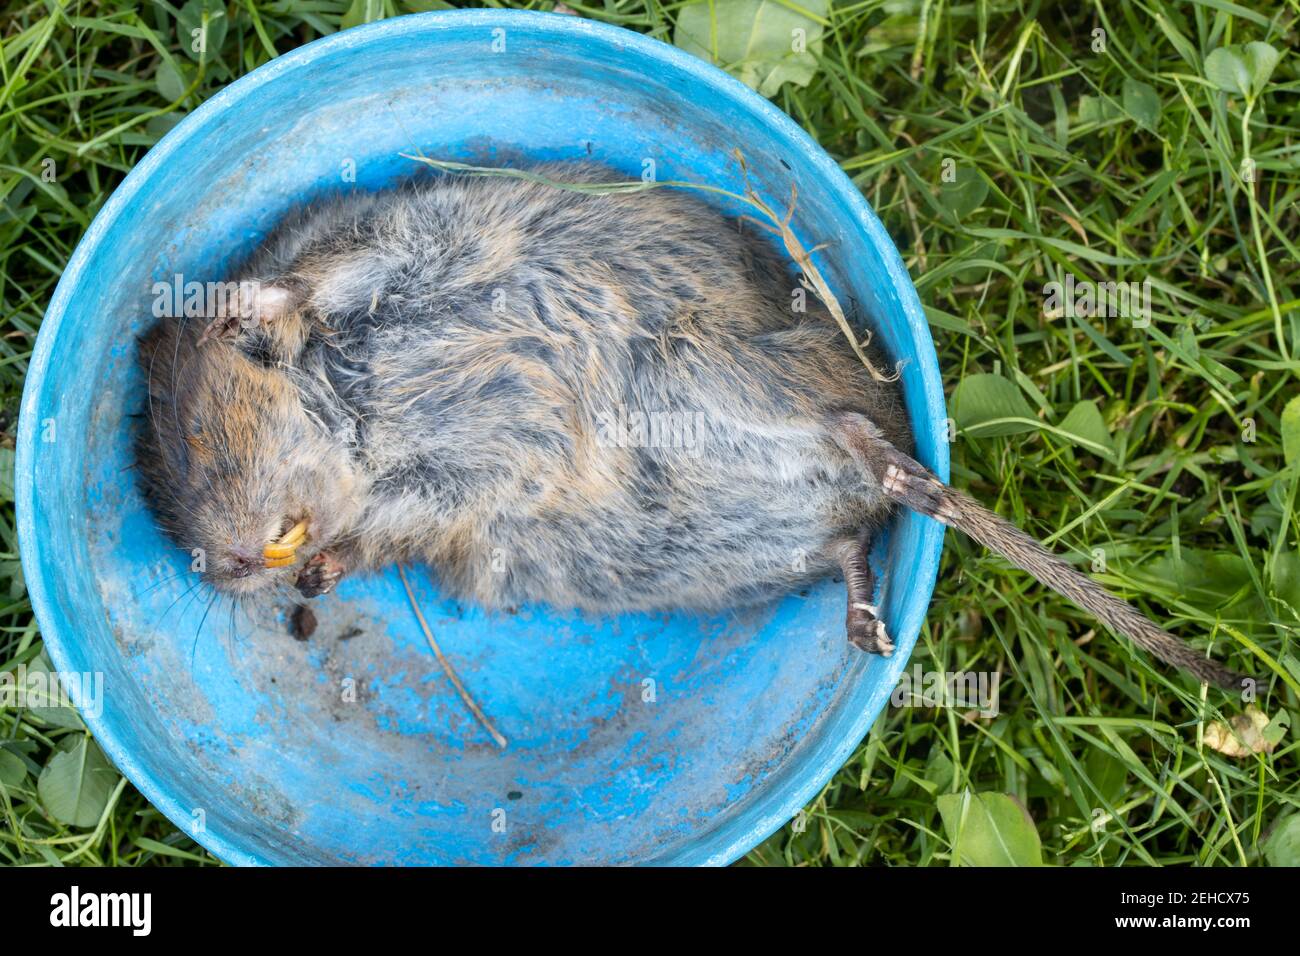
(1244, 737)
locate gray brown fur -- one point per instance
(429, 426)
(432, 374)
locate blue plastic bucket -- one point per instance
(634, 739)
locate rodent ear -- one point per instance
(273, 302)
(261, 305)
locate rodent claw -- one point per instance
(320, 574)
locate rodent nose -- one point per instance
(241, 565)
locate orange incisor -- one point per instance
(284, 552)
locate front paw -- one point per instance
(319, 575)
(867, 633)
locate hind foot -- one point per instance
(901, 477)
(867, 632)
(920, 492)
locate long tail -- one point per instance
(913, 485)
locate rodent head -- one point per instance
(230, 460)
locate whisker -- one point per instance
(199, 630)
(195, 591)
(158, 584)
(162, 617)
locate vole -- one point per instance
(598, 401)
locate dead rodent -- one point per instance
(596, 401)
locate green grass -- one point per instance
(1122, 165)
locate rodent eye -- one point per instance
(257, 347)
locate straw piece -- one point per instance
(447, 668)
(776, 224)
